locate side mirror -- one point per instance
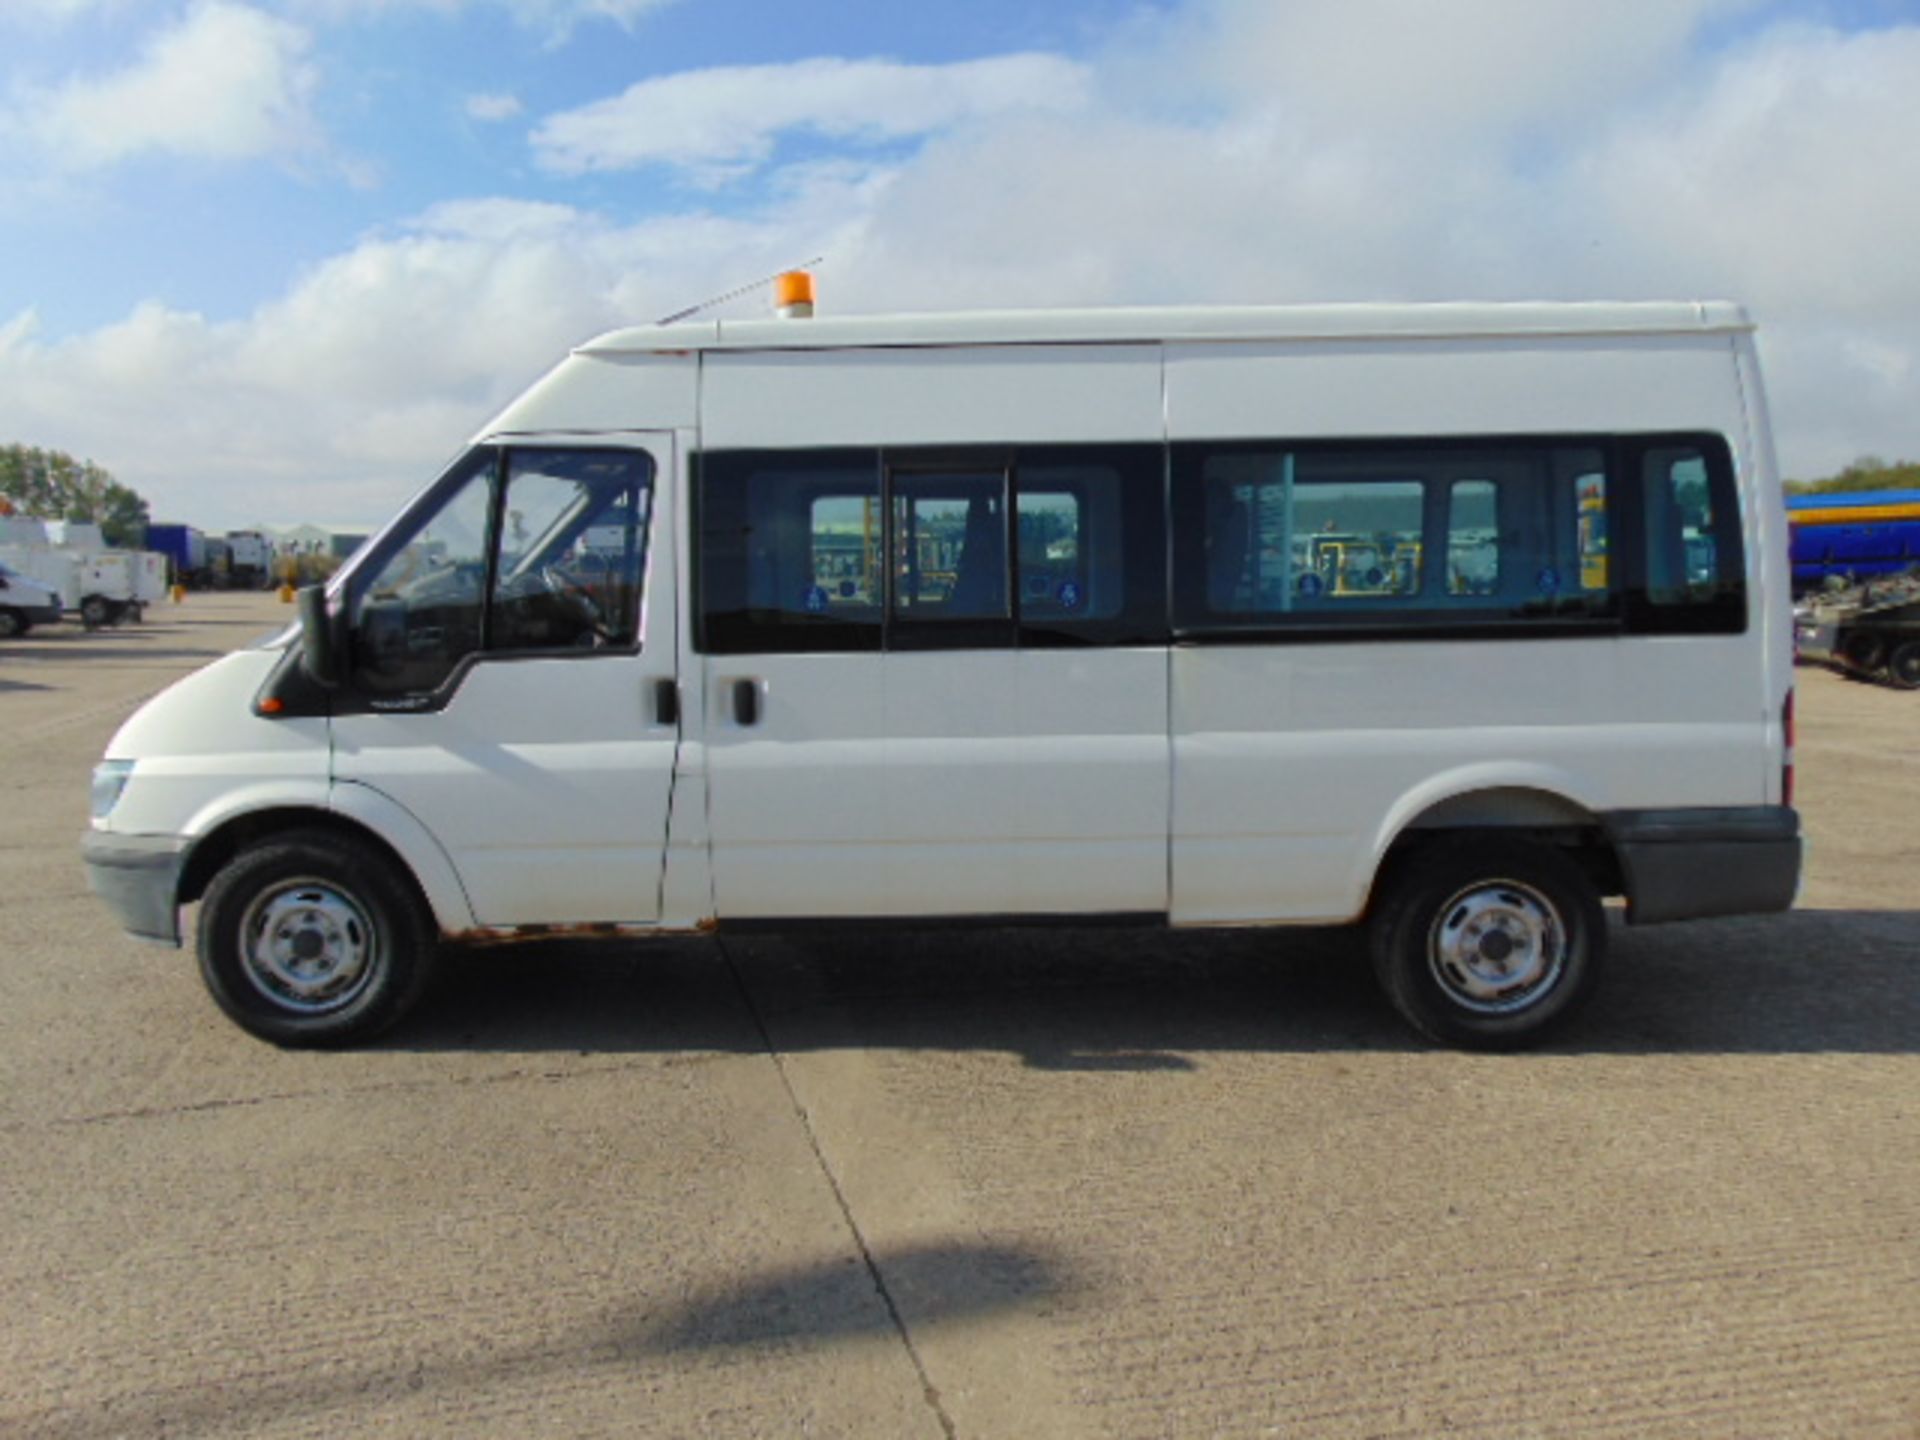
(323, 646)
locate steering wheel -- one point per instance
(573, 595)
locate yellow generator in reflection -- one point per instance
(1592, 533)
(1357, 565)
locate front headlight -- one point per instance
(109, 779)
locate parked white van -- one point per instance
(24, 603)
(1449, 619)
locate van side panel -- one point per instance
(1297, 762)
(984, 395)
(946, 778)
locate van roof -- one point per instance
(1185, 323)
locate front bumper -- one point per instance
(1697, 863)
(139, 878)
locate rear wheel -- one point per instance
(95, 611)
(1903, 666)
(1488, 943)
(310, 939)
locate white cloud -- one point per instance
(492, 107)
(1783, 171)
(724, 122)
(226, 82)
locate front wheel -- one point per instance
(309, 939)
(1489, 943)
(12, 623)
(95, 611)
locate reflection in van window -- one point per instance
(1372, 533)
(950, 546)
(420, 615)
(790, 551)
(572, 549)
(1694, 562)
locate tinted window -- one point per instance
(1694, 569)
(1389, 534)
(792, 548)
(791, 551)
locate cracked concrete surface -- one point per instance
(970, 1185)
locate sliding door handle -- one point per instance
(746, 702)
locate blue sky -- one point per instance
(274, 259)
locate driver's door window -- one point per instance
(572, 542)
(536, 550)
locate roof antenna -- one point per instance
(693, 310)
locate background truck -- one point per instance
(186, 552)
(1871, 630)
(250, 559)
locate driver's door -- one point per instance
(512, 676)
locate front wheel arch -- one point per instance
(214, 851)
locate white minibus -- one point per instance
(1451, 620)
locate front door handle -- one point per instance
(666, 702)
(746, 702)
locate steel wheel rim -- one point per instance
(1497, 946)
(308, 946)
(1905, 665)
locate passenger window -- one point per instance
(844, 551)
(799, 553)
(572, 549)
(1695, 578)
(950, 547)
(421, 613)
(1473, 539)
(1388, 535)
(1347, 539)
(1053, 572)
(791, 547)
(1091, 545)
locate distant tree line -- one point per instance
(1869, 472)
(52, 485)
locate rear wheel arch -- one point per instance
(1509, 812)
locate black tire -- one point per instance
(1864, 651)
(354, 949)
(12, 623)
(95, 611)
(1903, 666)
(1488, 944)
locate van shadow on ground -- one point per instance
(1810, 981)
(833, 1301)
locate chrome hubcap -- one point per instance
(307, 946)
(1497, 947)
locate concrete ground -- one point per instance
(1022, 1185)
